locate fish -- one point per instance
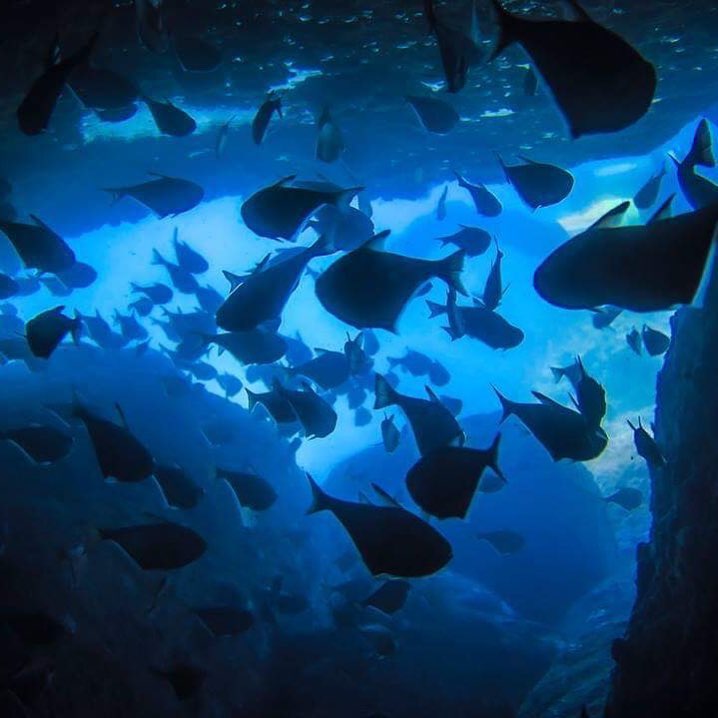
(478, 323)
(210, 300)
(572, 372)
(416, 363)
(225, 620)
(231, 384)
(196, 54)
(164, 546)
(590, 397)
(370, 287)
(220, 143)
(330, 143)
(8, 286)
(187, 258)
(648, 193)
(165, 196)
(443, 482)
(698, 190)
(328, 370)
(634, 340)
(276, 404)
(390, 597)
(493, 288)
(280, 210)
(441, 204)
(120, 454)
(563, 432)
(157, 293)
(183, 281)
(316, 416)
(640, 268)
(537, 183)
(119, 115)
(458, 50)
(263, 295)
(170, 119)
(609, 93)
(130, 328)
(186, 680)
(627, 498)
(484, 201)
(45, 331)
(102, 89)
(345, 228)
(655, 342)
(43, 444)
(390, 540)
(79, 275)
(255, 346)
(272, 104)
(362, 416)
(436, 116)
(38, 246)
(473, 240)
(151, 27)
(603, 317)
(100, 331)
(504, 541)
(359, 361)
(37, 106)
(251, 490)
(142, 307)
(439, 374)
(180, 491)
(432, 424)
(646, 446)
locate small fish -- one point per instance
(251, 490)
(646, 446)
(370, 287)
(590, 397)
(329, 369)
(485, 202)
(389, 539)
(188, 259)
(443, 482)
(196, 54)
(572, 372)
(634, 340)
(330, 143)
(210, 300)
(436, 116)
(130, 328)
(165, 196)
(183, 281)
(179, 489)
(231, 385)
(431, 422)
(390, 435)
(390, 597)
(473, 240)
(648, 194)
(43, 444)
(537, 183)
(38, 246)
(603, 317)
(416, 363)
(170, 120)
(655, 342)
(222, 136)
(627, 498)
(163, 546)
(505, 542)
(100, 331)
(157, 293)
(260, 123)
(441, 204)
(45, 331)
(316, 416)
(493, 288)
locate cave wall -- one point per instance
(667, 663)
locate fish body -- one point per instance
(255, 346)
(646, 446)
(699, 191)
(503, 541)
(634, 341)
(537, 183)
(170, 120)
(183, 281)
(251, 490)
(43, 444)
(493, 288)
(316, 416)
(165, 196)
(102, 89)
(655, 342)
(627, 498)
(473, 240)
(484, 201)
(178, 488)
(45, 331)
(187, 258)
(329, 369)
(38, 246)
(271, 105)
(441, 204)
(390, 597)
(157, 293)
(276, 404)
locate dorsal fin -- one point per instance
(547, 400)
(234, 279)
(613, 217)
(40, 223)
(432, 394)
(284, 180)
(376, 242)
(663, 212)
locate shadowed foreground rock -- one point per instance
(667, 664)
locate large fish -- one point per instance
(38, 246)
(102, 89)
(493, 288)
(564, 433)
(280, 210)
(537, 183)
(37, 106)
(432, 423)
(473, 240)
(263, 295)
(45, 331)
(165, 196)
(316, 416)
(187, 258)
(599, 82)
(444, 481)
(370, 287)
(389, 539)
(641, 268)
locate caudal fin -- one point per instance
(384, 394)
(157, 258)
(435, 309)
(492, 459)
(320, 501)
(558, 373)
(449, 269)
(507, 407)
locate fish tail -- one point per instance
(558, 373)
(320, 501)
(157, 258)
(384, 394)
(504, 22)
(492, 459)
(631, 424)
(252, 400)
(507, 407)
(435, 309)
(450, 268)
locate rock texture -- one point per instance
(666, 666)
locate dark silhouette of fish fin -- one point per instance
(384, 393)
